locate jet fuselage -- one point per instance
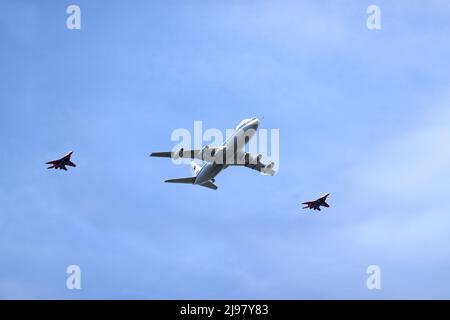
(244, 132)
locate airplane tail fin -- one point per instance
(71, 164)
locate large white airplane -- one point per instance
(216, 159)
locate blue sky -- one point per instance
(362, 114)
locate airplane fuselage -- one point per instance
(244, 132)
(62, 163)
(316, 204)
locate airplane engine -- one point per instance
(218, 152)
(271, 165)
(247, 158)
(206, 153)
(258, 158)
(179, 154)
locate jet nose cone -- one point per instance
(256, 123)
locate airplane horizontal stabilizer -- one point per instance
(209, 184)
(189, 180)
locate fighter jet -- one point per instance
(315, 204)
(62, 163)
(216, 159)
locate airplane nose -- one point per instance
(256, 122)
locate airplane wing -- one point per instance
(205, 154)
(53, 162)
(261, 168)
(253, 163)
(70, 164)
(188, 154)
